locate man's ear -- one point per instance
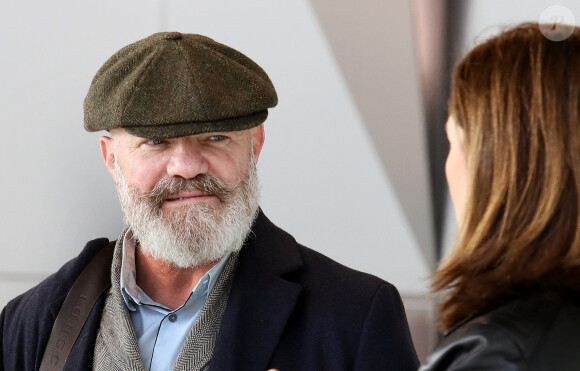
(258, 137)
(108, 153)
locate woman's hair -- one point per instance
(517, 98)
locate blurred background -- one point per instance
(353, 164)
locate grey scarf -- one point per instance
(116, 347)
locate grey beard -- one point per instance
(191, 235)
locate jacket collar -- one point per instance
(261, 299)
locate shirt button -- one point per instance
(173, 317)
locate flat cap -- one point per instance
(171, 85)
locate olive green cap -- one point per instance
(171, 85)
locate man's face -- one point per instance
(187, 199)
(144, 162)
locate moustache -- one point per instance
(167, 187)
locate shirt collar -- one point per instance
(132, 293)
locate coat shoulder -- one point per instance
(528, 333)
(342, 319)
(55, 287)
(336, 278)
(27, 320)
(322, 279)
(277, 249)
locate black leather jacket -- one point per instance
(534, 333)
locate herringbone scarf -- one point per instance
(117, 348)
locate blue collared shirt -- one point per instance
(160, 331)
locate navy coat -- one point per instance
(289, 308)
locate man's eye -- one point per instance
(155, 142)
(217, 138)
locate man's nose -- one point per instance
(187, 161)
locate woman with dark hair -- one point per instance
(510, 286)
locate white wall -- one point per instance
(488, 17)
(322, 179)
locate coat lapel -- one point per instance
(261, 300)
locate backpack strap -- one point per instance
(88, 287)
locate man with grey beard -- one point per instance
(190, 235)
(199, 278)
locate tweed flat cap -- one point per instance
(171, 85)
